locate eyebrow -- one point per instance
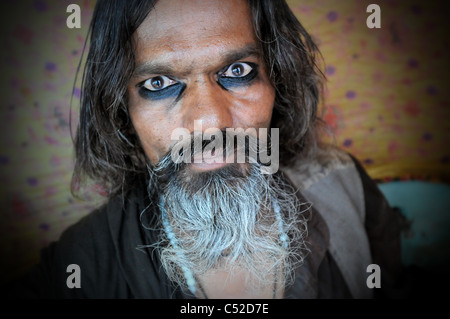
(236, 55)
(226, 58)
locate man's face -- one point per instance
(197, 60)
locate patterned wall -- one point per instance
(387, 101)
(388, 91)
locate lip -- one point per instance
(204, 166)
(208, 166)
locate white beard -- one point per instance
(225, 219)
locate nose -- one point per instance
(207, 102)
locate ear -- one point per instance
(131, 130)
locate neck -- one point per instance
(237, 283)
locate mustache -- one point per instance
(220, 146)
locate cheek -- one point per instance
(147, 125)
(151, 141)
(258, 105)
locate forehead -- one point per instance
(184, 30)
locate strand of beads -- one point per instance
(277, 210)
(174, 242)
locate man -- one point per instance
(214, 227)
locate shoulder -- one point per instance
(67, 266)
(114, 246)
(86, 245)
(105, 245)
(331, 182)
(329, 171)
(88, 230)
(326, 160)
(84, 262)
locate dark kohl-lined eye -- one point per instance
(237, 74)
(237, 70)
(160, 87)
(158, 83)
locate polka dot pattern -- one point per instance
(387, 97)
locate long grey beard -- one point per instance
(224, 219)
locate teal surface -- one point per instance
(427, 206)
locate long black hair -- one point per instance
(108, 152)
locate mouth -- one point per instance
(211, 162)
(207, 166)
